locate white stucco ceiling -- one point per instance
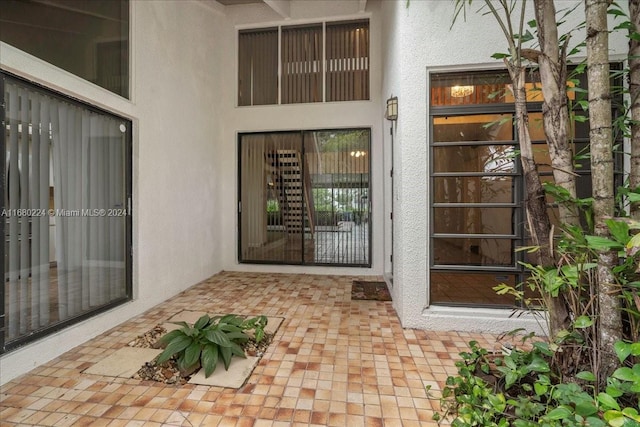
(281, 7)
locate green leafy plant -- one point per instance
(208, 340)
(521, 389)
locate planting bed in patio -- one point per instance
(137, 360)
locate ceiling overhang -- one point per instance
(281, 7)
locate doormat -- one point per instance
(375, 291)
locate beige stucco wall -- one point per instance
(175, 108)
(366, 114)
(418, 39)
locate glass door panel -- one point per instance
(272, 207)
(304, 197)
(339, 171)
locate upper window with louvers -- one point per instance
(306, 63)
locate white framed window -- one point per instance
(323, 62)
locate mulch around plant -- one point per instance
(168, 371)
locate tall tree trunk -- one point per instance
(536, 204)
(601, 140)
(555, 113)
(634, 92)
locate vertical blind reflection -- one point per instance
(305, 197)
(258, 67)
(65, 210)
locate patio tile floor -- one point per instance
(333, 362)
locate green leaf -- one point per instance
(225, 352)
(527, 36)
(631, 413)
(559, 413)
(625, 374)
(586, 376)
(237, 350)
(170, 336)
(634, 242)
(227, 327)
(217, 337)
(607, 401)
(623, 350)
(202, 322)
(614, 418)
(192, 354)
(232, 319)
(583, 322)
(619, 230)
(175, 346)
(500, 55)
(613, 391)
(510, 363)
(538, 364)
(602, 243)
(586, 409)
(497, 401)
(595, 422)
(540, 389)
(209, 359)
(237, 336)
(616, 12)
(510, 379)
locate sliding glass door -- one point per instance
(65, 211)
(304, 197)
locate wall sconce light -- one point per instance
(461, 91)
(392, 109)
(358, 153)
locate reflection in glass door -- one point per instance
(475, 201)
(66, 219)
(304, 197)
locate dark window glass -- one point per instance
(477, 190)
(65, 212)
(302, 64)
(258, 67)
(87, 38)
(314, 63)
(304, 197)
(470, 287)
(348, 61)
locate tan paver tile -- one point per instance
(333, 362)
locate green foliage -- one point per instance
(533, 387)
(273, 205)
(521, 389)
(208, 340)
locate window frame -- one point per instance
(37, 334)
(303, 261)
(520, 235)
(324, 69)
(94, 45)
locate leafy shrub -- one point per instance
(520, 389)
(208, 340)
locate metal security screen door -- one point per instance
(304, 197)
